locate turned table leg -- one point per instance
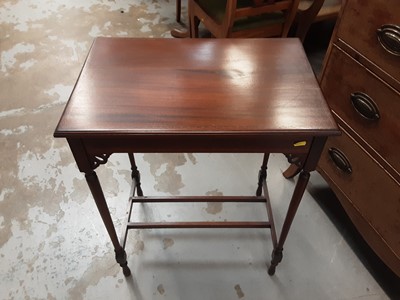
(262, 174)
(135, 174)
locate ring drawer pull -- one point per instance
(340, 160)
(365, 106)
(389, 37)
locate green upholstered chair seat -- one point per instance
(216, 10)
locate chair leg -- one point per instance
(178, 10)
(194, 27)
(306, 18)
(303, 26)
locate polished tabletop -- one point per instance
(132, 86)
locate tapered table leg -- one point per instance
(97, 192)
(277, 254)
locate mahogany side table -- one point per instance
(196, 95)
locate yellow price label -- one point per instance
(300, 144)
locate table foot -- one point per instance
(120, 257)
(277, 256)
(126, 271)
(271, 270)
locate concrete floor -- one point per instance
(53, 244)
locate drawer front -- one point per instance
(374, 193)
(359, 26)
(365, 103)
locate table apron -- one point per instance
(199, 144)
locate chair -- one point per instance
(242, 18)
(312, 11)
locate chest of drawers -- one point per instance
(361, 82)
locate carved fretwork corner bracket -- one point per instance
(98, 159)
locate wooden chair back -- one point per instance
(311, 11)
(242, 18)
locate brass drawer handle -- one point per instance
(340, 160)
(389, 37)
(365, 106)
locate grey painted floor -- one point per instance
(53, 244)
